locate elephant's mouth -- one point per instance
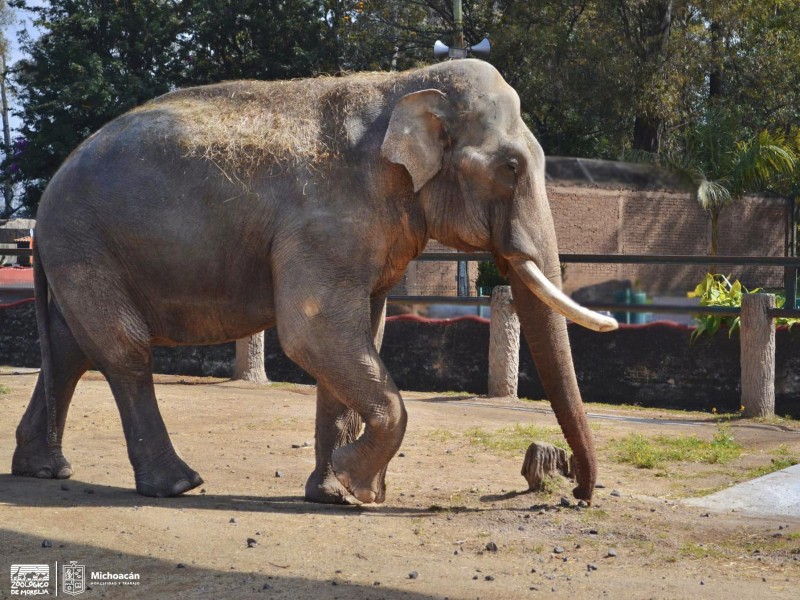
(553, 297)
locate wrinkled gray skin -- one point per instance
(144, 243)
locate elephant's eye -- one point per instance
(513, 164)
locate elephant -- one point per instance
(214, 212)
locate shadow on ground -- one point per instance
(166, 579)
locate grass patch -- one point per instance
(650, 453)
(777, 464)
(3, 389)
(515, 439)
(441, 435)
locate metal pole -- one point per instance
(458, 19)
(790, 272)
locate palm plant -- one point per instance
(722, 167)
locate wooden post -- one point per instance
(250, 359)
(503, 344)
(757, 342)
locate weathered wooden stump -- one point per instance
(545, 460)
(250, 359)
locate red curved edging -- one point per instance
(17, 303)
(418, 319)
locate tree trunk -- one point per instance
(8, 190)
(647, 134)
(757, 343)
(250, 359)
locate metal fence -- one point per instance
(790, 264)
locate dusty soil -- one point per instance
(448, 499)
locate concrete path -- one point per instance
(776, 494)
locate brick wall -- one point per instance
(600, 220)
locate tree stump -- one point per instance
(503, 344)
(250, 359)
(545, 460)
(757, 343)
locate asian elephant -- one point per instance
(214, 212)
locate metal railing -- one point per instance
(791, 265)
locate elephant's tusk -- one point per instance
(548, 293)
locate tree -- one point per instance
(95, 60)
(6, 17)
(723, 163)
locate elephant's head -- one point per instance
(479, 173)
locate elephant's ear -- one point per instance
(416, 134)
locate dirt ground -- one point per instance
(450, 502)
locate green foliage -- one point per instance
(596, 78)
(717, 290)
(650, 453)
(3, 389)
(489, 277)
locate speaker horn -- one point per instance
(480, 50)
(441, 50)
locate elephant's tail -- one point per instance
(41, 292)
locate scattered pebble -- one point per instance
(491, 547)
(278, 473)
(47, 544)
(615, 493)
(612, 552)
(266, 586)
(413, 575)
(402, 455)
(489, 578)
(565, 502)
(591, 567)
(558, 550)
(583, 504)
(202, 490)
(599, 486)
(593, 532)
(376, 583)
(233, 520)
(180, 566)
(251, 542)
(456, 552)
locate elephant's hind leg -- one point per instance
(117, 340)
(34, 457)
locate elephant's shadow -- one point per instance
(24, 491)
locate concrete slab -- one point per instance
(776, 494)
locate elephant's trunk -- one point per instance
(546, 333)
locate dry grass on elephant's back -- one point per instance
(249, 123)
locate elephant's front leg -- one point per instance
(337, 426)
(332, 339)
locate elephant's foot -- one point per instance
(326, 489)
(354, 474)
(37, 459)
(171, 477)
(583, 493)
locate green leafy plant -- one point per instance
(489, 277)
(717, 290)
(652, 452)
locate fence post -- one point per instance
(250, 359)
(757, 343)
(503, 344)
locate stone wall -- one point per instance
(651, 365)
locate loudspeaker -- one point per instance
(441, 50)
(480, 50)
